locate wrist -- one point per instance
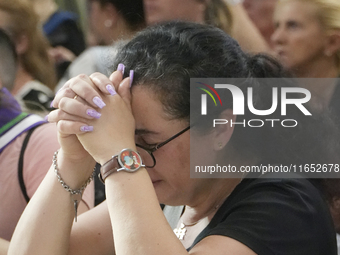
(75, 172)
(76, 194)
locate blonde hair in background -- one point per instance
(218, 14)
(25, 22)
(328, 13)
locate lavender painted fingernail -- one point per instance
(86, 128)
(46, 118)
(111, 90)
(51, 104)
(93, 113)
(98, 102)
(131, 77)
(121, 68)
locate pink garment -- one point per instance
(37, 160)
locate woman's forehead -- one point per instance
(149, 111)
(146, 107)
(296, 9)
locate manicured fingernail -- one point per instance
(121, 68)
(46, 118)
(131, 77)
(111, 90)
(98, 102)
(86, 128)
(93, 113)
(51, 104)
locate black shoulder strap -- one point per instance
(21, 163)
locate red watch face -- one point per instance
(130, 160)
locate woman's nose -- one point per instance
(278, 37)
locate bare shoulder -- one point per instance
(220, 245)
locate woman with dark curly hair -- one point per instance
(145, 115)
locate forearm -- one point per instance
(3, 246)
(45, 225)
(139, 226)
(246, 33)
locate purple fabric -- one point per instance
(9, 110)
(9, 107)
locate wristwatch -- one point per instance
(127, 160)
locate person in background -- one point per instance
(261, 12)
(110, 21)
(307, 42)
(146, 107)
(228, 15)
(26, 144)
(62, 31)
(35, 80)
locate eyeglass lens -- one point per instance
(147, 159)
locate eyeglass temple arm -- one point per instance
(171, 138)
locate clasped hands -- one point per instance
(94, 116)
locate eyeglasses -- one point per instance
(146, 154)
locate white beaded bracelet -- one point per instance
(75, 194)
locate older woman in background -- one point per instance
(307, 42)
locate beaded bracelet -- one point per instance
(75, 194)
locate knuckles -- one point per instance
(82, 77)
(62, 126)
(63, 102)
(101, 77)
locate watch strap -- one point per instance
(109, 168)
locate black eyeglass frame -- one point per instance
(152, 150)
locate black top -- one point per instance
(276, 216)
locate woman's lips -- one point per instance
(156, 182)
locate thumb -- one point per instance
(124, 89)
